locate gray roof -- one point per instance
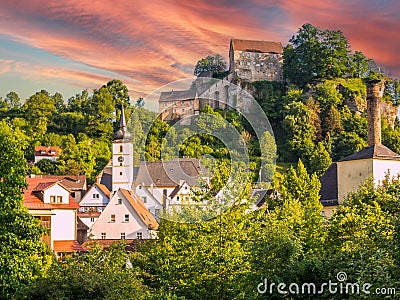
(376, 151)
(178, 95)
(329, 190)
(169, 173)
(106, 176)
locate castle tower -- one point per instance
(375, 90)
(122, 156)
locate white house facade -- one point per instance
(93, 203)
(125, 217)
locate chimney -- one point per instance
(375, 90)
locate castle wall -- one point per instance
(253, 66)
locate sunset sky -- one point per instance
(72, 45)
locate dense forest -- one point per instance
(318, 115)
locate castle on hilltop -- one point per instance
(248, 61)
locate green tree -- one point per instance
(204, 260)
(47, 166)
(268, 156)
(346, 144)
(314, 54)
(328, 95)
(213, 64)
(23, 257)
(361, 236)
(358, 65)
(299, 130)
(39, 111)
(97, 274)
(99, 112)
(286, 241)
(333, 123)
(320, 160)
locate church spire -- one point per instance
(122, 134)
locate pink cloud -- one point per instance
(151, 43)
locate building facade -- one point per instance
(256, 60)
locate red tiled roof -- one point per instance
(104, 189)
(257, 46)
(70, 182)
(140, 209)
(31, 201)
(67, 246)
(42, 186)
(49, 151)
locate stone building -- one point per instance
(256, 60)
(376, 160)
(176, 105)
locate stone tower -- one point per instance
(122, 156)
(375, 90)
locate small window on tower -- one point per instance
(120, 173)
(121, 148)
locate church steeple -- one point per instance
(122, 134)
(122, 161)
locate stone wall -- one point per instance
(253, 66)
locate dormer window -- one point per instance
(52, 199)
(59, 199)
(96, 196)
(42, 151)
(53, 152)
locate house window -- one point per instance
(120, 173)
(177, 198)
(139, 235)
(119, 201)
(92, 220)
(157, 212)
(103, 235)
(122, 235)
(126, 218)
(144, 199)
(121, 148)
(73, 194)
(96, 196)
(59, 199)
(183, 109)
(112, 219)
(52, 199)
(323, 213)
